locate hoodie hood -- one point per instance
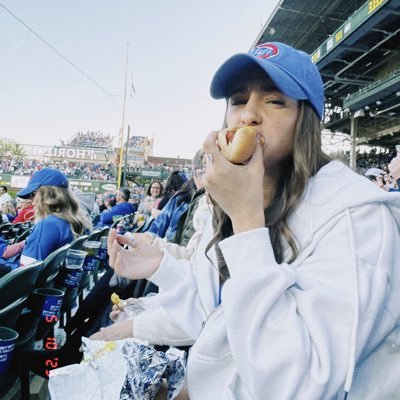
(336, 188)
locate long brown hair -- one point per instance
(61, 202)
(307, 158)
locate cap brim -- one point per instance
(231, 70)
(26, 192)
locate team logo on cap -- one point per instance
(266, 50)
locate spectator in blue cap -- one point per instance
(295, 289)
(58, 219)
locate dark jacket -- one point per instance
(185, 229)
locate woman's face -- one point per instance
(257, 102)
(379, 181)
(155, 190)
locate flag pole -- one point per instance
(126, 156)
(123, 123)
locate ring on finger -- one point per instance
(209, 158)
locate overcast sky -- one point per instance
(174, 48)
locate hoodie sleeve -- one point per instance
(297, 331)
(180, 297)
(157, 327)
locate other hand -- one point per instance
(139, 262)
(118, 330)
(117, 310)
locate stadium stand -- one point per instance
(91, 139)
(355, 45)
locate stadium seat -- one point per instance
(103, 231)
(145, 226)
(95, 235)
(71, 294)
(85, 279)
(6, 230)
(77, 243)
(47, 279)
(23, 235)
(51, 267)
(15, 288)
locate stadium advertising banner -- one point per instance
(152, 173)
(5, 180)
(82, 154)
(92, 186)
(18, 182)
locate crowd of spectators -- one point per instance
(73, 169)
(91, 139)
(140, 142)
(106, 172)
(374, 159)
(78, 170)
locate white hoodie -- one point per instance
(324, 325)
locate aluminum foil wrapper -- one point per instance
(133, 307)
(147, 368)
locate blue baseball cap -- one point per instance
(292, 71)
(44, 177)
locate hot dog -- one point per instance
(237, 144)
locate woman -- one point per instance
(304, 304)
(151, 200)
(8, 210)
(173, 184)
(57, 214)
(100, 200)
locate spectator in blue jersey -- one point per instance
(121, 208)
(58, 219)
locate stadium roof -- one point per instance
(356, 45)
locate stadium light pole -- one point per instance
(121, 150)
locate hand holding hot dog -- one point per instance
(236, 188)
(238, 144)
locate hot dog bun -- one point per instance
(237, 144)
